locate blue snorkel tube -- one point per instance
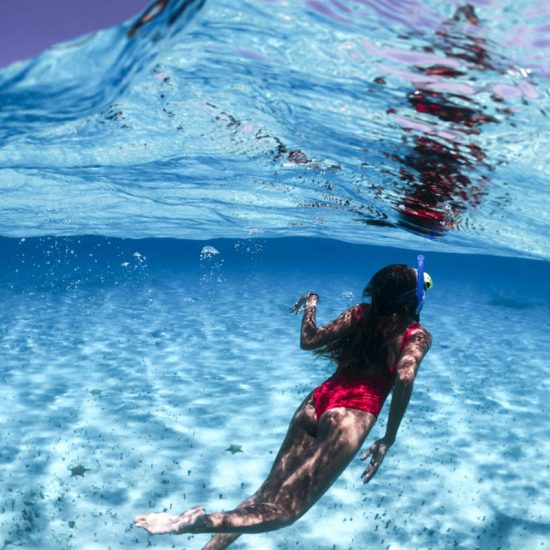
(420, 290)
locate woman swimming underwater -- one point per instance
(378, 348)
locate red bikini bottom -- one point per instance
(363, 392)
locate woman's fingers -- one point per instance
(373, 449)
(298, 305)
(371, 470)
(367, 474)
(366, 455)
(377, 452)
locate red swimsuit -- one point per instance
(354, 390)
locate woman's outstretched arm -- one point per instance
(417, 347)
(408, 364)
(313, 337)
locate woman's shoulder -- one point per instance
(422, 329)
(351, 316)
(417, 326)
(359, 311)
(419, 333)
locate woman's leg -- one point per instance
(300, 475)
(340, 434)
(300, 434)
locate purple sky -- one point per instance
(28, 27)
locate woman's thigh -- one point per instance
(299, 437)
(340, 434)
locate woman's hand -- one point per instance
(312, 299)
(377, 451)
(309, 299)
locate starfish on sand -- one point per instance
(78, 470)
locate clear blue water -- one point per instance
(310, 143)
(368, 122)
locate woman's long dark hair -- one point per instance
(393, 304)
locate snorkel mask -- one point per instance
(423, 283)
(414, 297)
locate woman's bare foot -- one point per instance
(165, 524)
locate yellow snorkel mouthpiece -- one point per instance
(428, 282)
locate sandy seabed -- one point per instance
(123, 398)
